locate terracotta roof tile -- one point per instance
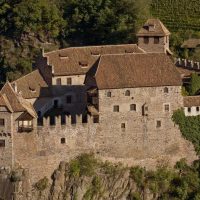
(191, 43)
(17, 102)
(136, 70)
(190, 101)
(30, 85)
(153, 27)
(68, 61)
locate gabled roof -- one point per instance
(16, 102)
(30, 85)
(136, 70)
(78, 60)
(4, 102)
(153, 27)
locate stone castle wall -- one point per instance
(139, 143)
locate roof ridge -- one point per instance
(90, 46)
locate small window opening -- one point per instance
(133, 107)
(55, 103)
(166, 107)
(197, 109)
(127, 93)
(189, 109)
(116, 108)
(2, 122)
(146, 40)
(166, 90)
(109, 94)
(2, 143)
(158, 124)
(58, 81)
(123, 125)
(69, 81)
(95, 119)
(68, 99)
(156, 40)
(62, 141)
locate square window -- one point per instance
(189, 109)
(116, 108)
(156, 40)
(2, 143)
(62, 141)
(109, 94)
(166, 107)
(158, 124)
(69, 81)
(197, 109)
(133, 107)
(95, 119)
(58, 81)
(146, 40)
(2, 122)
(68, 99)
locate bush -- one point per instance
(83, 165)
(42, 184)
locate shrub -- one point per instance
(42, 184)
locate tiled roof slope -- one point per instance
(17, 103)
(78, 60)
(191, 101)
(4, 102)
(136, 70)
(30, 85)
(158, 29)
(191, 43)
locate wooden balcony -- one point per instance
(26, 129)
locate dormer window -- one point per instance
(32, 89)
(151, 27)
(95, 53)
(83, 63)
(63, 55)
(129, 51)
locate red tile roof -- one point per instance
(135, 70)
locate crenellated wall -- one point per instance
(189, 64)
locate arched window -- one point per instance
(133, 107)
(166, 90)
(127, 93)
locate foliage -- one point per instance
(83, 165)
(42, 184)
(194, 84)
(189, 126)
(184, 91)
(15, 177)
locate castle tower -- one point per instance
(154, 37)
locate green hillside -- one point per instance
(178, 14)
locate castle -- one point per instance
(114, 100)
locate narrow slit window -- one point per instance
(189, 109)
(2, 143)
(123, 125)
(197, 109)
(166, 107)
(166, 90)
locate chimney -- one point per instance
(15, 86)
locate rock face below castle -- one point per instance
(114, 101)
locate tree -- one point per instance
(99, 21)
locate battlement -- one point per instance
(67, 120)
(189, 64)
